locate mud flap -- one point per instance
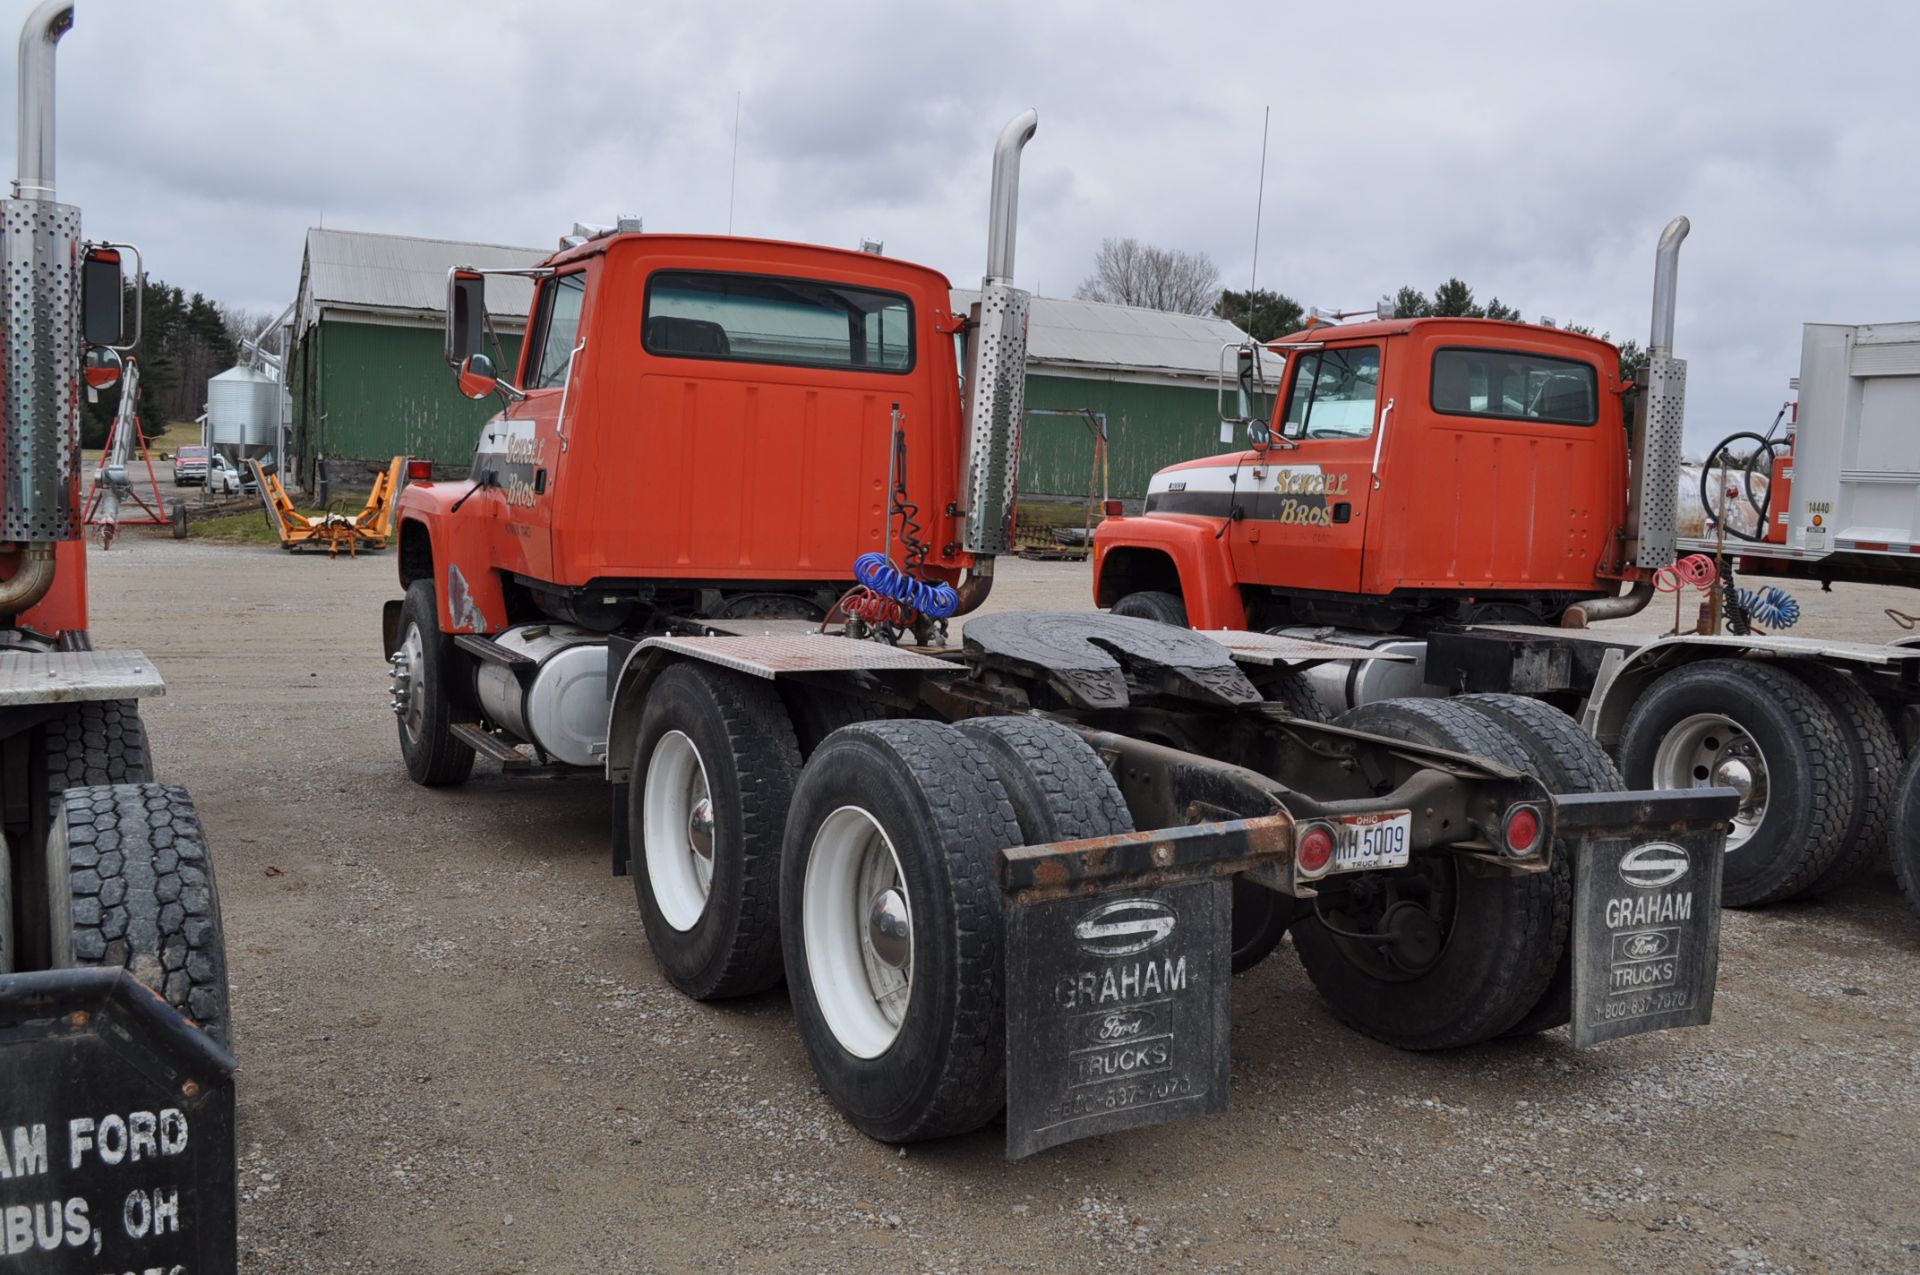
(1117, 1011)
(116, 1123)
(1646, 920)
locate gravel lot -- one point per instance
(457, 1054)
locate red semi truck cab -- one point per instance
(704, 422)
(1457, 469)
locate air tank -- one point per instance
(243, 410)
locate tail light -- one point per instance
(419, 471)
(1521, 832)
(1313, 851)
(1113, 508)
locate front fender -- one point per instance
(1159, 550)
(465, 584)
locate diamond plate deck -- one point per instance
(57, 677)
(771, 656)
(1274, 648)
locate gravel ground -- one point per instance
(458, 1056)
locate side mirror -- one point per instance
(102, 367)
(466, 315)
(1249, 368)
(103, 310)
(1257, 432)
(477, 376)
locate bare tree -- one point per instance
(243, 323)
(1128, 272)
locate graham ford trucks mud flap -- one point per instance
(116, 1130)
(1118, 978)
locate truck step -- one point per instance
(41, 677)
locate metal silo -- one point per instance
(243, 411)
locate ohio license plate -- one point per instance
(1382, 840)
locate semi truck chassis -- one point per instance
(1160, 803)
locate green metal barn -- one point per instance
(369, 381)
(368, 376)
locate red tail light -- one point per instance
(1313, 853)
(419, 471)
(1521, 832)
(1113, 508)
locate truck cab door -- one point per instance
(521, 449)
(1303, 522)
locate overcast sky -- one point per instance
(1535, 149)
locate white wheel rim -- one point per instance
(857, 921)
(1711, 750)
(677, 829)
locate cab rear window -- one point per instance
(1513, 385)
(743, 318)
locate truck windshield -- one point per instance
(1513, 385)
(1333, 393)
(764, 319)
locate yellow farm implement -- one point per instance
(335, 529)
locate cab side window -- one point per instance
(556, 330)
(1333, 393)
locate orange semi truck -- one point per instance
(709, 551)
(1470, 495)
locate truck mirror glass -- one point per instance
(102, 368)
(1257, 432)
(102, 305)
(1249, 368)
(477, 376)
(466, 315)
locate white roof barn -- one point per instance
(1094, 337)
(401, 278)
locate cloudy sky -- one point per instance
(1533, 149)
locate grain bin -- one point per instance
(243, 411)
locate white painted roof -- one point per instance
(1095, 335)
(404, 276)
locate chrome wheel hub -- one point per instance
(406, 678)
(1711, 750)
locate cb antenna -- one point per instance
(1259, 202)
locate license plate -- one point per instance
(1383, 840)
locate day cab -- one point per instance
(1412, 471)
(695, 423)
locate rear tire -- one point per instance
(1751, 722)
(1151, 604)
(134, 890)
(714, 772)
(95, 742)
(915, 1050)
(1494, 933)
(1906, 832)
(1876, 764)
(1564, 759)
(434, 757)
(1059, 787)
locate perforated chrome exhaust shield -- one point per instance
(40, 337)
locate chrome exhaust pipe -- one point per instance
(1632, 602)
(30, 583)
(1666, 272)
(1004, 204)
(49, 20)
(997, 365)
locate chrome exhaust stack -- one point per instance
(996, 370)
(1659, 423)
(39, 330)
